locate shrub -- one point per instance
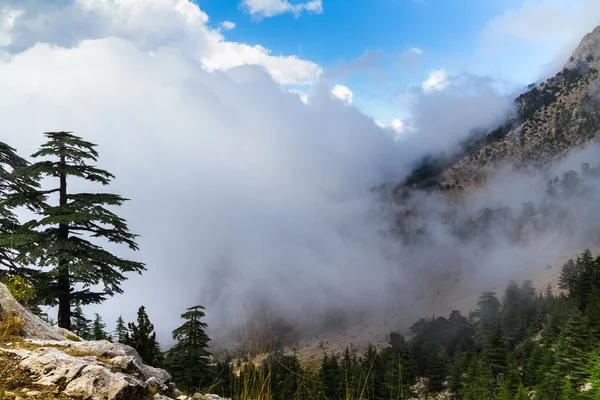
(21, 290)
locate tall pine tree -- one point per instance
(81, 271)
(188, 359)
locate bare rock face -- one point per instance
(79, 369)
(34, 327)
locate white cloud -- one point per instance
(437, 80)
(399, 126)
(8, 16)
(544, 29)
(180, 24)
(416, 50)
(343, 93)
(303, 96)
(227, 25)
(270, 8)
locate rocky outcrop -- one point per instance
(34, 327)
(57, 362)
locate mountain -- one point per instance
(559, 114)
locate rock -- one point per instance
(177, 392)
(34, 326)
(50, 365)
(183, 397)
(120, 362)
(33, 393)
(98, 382)
(160, 397)
(106, 349)
(83, 370)
(156, 385)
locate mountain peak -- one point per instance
(587, 53)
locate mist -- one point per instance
(244, 196)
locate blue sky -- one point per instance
(459, 36)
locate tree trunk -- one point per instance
(64, 286)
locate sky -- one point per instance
(249, 134)
(380, 49)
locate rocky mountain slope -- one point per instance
(555, 116)
(39, 361)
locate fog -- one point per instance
(243, 195)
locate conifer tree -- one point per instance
(513, 321)
(98, 328)
(121, 330)
(330, 377)
(143, 339)
(571, 350)
(17, 241)
(373, 370)
(495, 353)
(81, 325)
(487, 317)
(76, 264)
(188, 359)
(349, 375)
(437, 362)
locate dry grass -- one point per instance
(10, 326)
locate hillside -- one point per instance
(553, 117)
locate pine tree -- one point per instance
(17, 244)
(568, 277)
(72, 258)
(513, 321)
(98, 328)
(571, 350)
(374, 371)
(330, 377)
(400, 367)
(487, 317)
(350, 375)
(495, 353)
(81, 325)
(437, 369)
(188, 359)
(121, 330)
(143, 339)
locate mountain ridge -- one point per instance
(555, 116)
